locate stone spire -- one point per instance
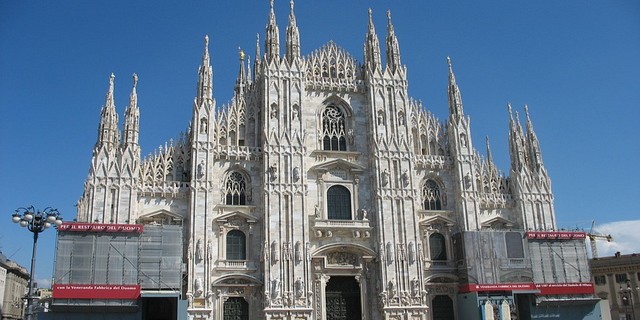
(393, 48)
(272, 40)
(108, 133)
(256, 60)
(372, 46)
(242, 75)
(516, 143)
(489, 155)
(293, 36)
(132, 118)
(533, 145)
(456, 110)
(205, 76)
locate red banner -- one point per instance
(96, 291)
(100, 227)
(544, 288)
(566, 288)
(498, 287)
(556, 235)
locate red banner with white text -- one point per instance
(556, 235)
(542, 288)
(96, 291)
(100, 227)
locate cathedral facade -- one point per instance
(322, 190)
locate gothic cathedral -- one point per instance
(322, 190)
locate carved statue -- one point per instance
(385, 177)
(389, 251)
(203, 125)
(273, 172)
(401, 252)
(405, 178)
(350, 136)
(296, 173)
(381, 252)
(209, 250)
(200, 169)
(298, 253)
(286, 251)
(265, 251)
(275, 284)
(412, 252)
(198, 287)
(299, 287)
(199, 253)
(415, 287)
(363, 214)
(317, 211)
(275, 252)
(391, 288)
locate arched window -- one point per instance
(433, 199)
(235, 189)
(437, 247)
(339, 203)
(236, 245)
(333, 129)
(515, 250)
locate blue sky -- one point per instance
(575, 63)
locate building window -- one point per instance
(621, 277)
(437, 247)
(235, 189)
(236, 245)
(515, 250)
(433, 199)
(333, 129)
(339, 203)
(600, 280)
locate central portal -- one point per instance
(343, 298)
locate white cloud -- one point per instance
(626, 238)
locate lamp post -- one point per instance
(35, 221)
(627, 295)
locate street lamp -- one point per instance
(627, 296)
(35, 221)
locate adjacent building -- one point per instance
(322, 190)
(14, 281)
(617, 281)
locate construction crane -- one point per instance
(593, 235)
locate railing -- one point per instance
(330, 223)
(235, 264)
(516, 263)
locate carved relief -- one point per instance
(342, 259)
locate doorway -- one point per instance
(343, 298)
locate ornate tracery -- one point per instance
(333, 129)
(432, 197)
(235, 189)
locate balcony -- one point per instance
(235, 265)
(515, 263)
(328, 227)
(442, 265)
